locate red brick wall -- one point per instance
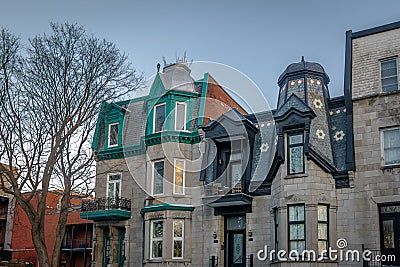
(218, 101)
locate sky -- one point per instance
(257, 38)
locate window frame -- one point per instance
(152, 239)
(289, 145)
(109, 134)
(176, 115)
(383, 161)
(155, 114)
(182, 239)
(153, 177)
(320, 222)
(397, 73)
(120, 183)
(276, 229)
(183, 177)
(297, 222)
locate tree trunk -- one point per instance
(40, 245)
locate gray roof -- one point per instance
(303, 66)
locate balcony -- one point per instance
(106, 209)
(76, 244)
(226, 200)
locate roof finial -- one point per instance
(302, 58)
(158, 67)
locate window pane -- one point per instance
(159, 118)
(236, 172)
(113, 134)
(322, 231)
(389, 81)
(178, 228)
(236, 223)
(114, 177)
(392, 146)
(158, 229)
(111, 190)
(296, 213)
(179, 176)
(389, 77)
(388, 234)
(390, 64)
(298, 245)
(158, 177)
(157, 249)
(296, 139)
(237, 248)
(322, 246)
(322, 213)
(296, 159)
(178, 249)
(180, 116)
(296, 231)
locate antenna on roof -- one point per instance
(302, 58)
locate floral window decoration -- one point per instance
(339, 135)
(317, 103)
(320, 134)
(264, 147)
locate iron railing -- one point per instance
(249, 260)
(217, 189)
(213, 261)
(77, 244)
(373, 257)
(106, 203)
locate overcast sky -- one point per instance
(258, 38)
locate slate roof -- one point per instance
(301, 67)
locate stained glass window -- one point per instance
(323, 227)
(178, 239)
(296, 155)
(113, 134)
(238, 248)
(157, 239)
(297, 240)
(159, 117)
(179, 177)
(388, 234)
(158, 178)
(389, 75)
(391, 146)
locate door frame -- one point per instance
(228, 234)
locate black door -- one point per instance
(236, 250)
(390, 235)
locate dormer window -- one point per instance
(113, 134)
(159, 118)
(295, 153)
(180, 116)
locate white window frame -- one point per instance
(153, 176)
(120, 182)
(154, 116)
(156, 239)
(184, 177)
(109, 134)
(178, 238)
(176, 115)
(383, 161)
(397, 72)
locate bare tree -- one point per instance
(50, 95)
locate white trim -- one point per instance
(154, 116)
(120, 182)
(156, 239)
(109, 131)
(176, 115)
(178, 238)
(152, 177)
(184, 177)
(382, 137)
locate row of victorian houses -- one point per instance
(188, 177)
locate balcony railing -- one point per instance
(77, 244)
(106, 203)
(217, 189)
